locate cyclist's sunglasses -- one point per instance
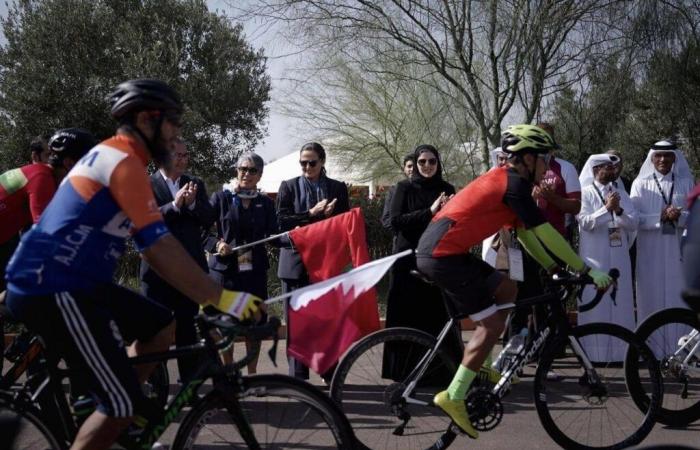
(310, 163)
(250, 170)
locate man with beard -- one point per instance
(60, 278)
(606, 220)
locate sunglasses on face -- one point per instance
(310, 163)
(250, 170)
(430, 161)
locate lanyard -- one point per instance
(670, 195)
(600, 194)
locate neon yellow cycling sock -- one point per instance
(457, 390)
(488, 361)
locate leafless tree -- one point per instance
(500, 57)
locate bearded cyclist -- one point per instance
(500, 198)
(60, 278)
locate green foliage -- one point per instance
(62, 57)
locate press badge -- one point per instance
(515, 264)
(614, 235)
(668, 228)
(245, 261)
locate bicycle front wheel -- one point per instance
(21, 428)
(369, 390)
(280, 411)
(581, 392)
(671, 334)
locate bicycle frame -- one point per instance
(61, 421)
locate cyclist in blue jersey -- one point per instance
(60, 278)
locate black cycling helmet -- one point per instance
(521, 139)
(71, 142)
(143, 94)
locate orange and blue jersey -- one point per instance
(76, 244)
(24, 194)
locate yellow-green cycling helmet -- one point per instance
(521, 139)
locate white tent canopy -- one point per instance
(287, 167)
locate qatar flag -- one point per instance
(323, 318)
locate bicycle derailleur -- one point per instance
(674, 367)
(485, 409)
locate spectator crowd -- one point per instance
(635, 227)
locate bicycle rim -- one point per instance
(23, 424)
(662, 332)
(583, 409)
(282, 412)
(367, 391)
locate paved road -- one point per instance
(520, 428)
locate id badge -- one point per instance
(245, 261)
(668, 228)
(515, 264)
(614, 235)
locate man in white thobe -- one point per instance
(659, 195)
(606, 219)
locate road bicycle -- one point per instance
(674, 337)
(586, 405)
(228, 410)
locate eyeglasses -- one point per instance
(546, 158)
(250, 170)
(431, 161)
(310, 163)
(180, 155)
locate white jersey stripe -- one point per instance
(88, 348)
(98, 164)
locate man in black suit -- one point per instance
(183, 201)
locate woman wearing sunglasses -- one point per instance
(243, 215)
(413, 205)
(302, 200)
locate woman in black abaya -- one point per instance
(411, 302)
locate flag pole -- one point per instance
(253, 244)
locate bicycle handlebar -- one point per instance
(584, 279)
(233, 328)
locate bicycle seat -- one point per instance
(421, 276)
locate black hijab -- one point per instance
(416, 177)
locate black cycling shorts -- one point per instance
(89, 329)
(468, 282)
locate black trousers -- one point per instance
(184, 310)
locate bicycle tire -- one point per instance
(21, 419)
(660, 331)
(580, 414)
(362, 392)
(314, 421)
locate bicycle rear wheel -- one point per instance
(372, 400)
(21, 428)
(662, 332)
(283, 413)
(593, 408)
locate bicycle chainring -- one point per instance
(485, 409)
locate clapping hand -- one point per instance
(613, 202)
(318, 208)
(330, 206)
